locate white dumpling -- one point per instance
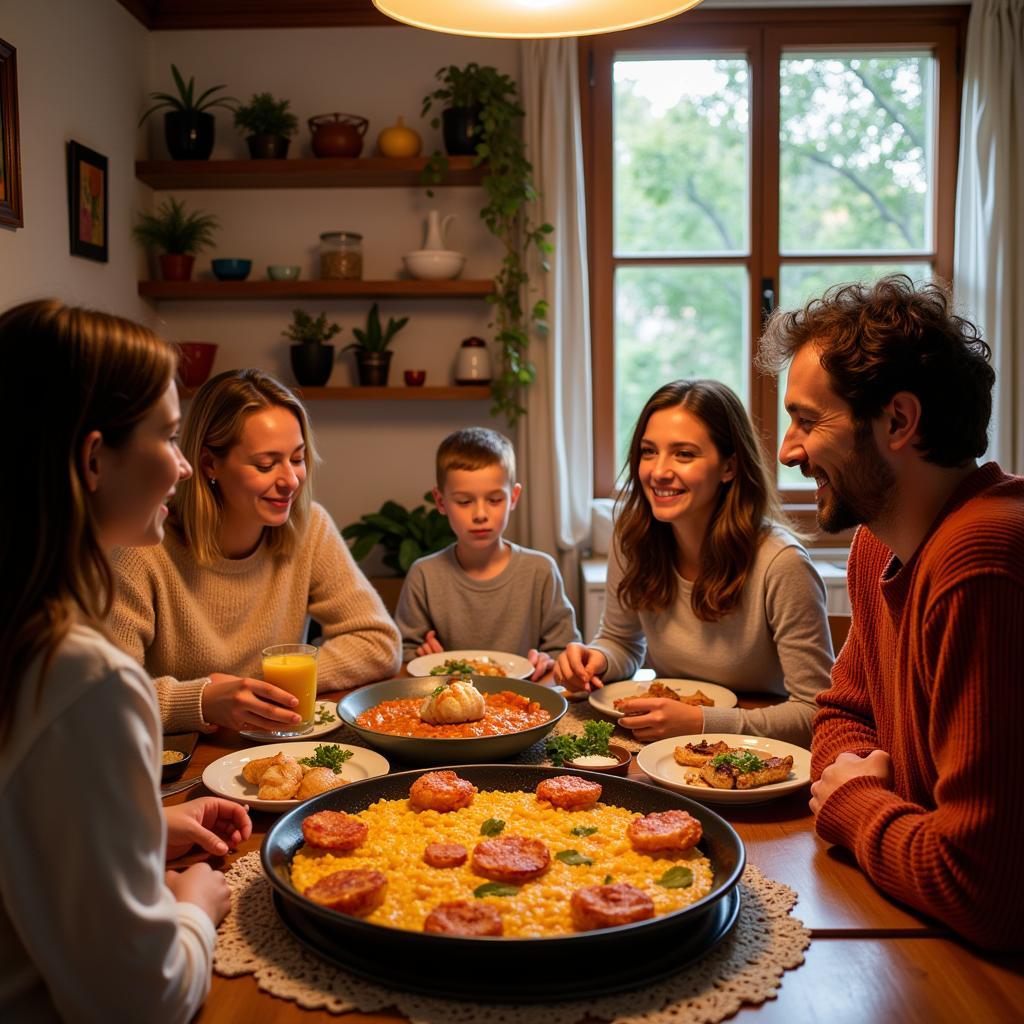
(459, 701)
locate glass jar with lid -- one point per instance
(341, 255)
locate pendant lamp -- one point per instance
(530, 19)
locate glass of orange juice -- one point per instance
(292, 667)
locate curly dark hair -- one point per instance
(875, 340)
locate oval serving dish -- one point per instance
(630, 955)
(426, 750)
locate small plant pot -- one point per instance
(415, 378)
(372, 368)
(176, 267)
(196, 362)
(268, 147)
(312, 364)
(189, 134)
(462, 130)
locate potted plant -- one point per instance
(188, 128)
(268, 125)
(179, 234)
(312, 360)
(509, 188)
(373, 357)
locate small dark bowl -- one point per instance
(622, 756)
(184, 742)
(415, 378)
(231, 269)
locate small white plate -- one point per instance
(224, 776)
(603, 699)
(513, 666)
(657, 762)
(323, 709)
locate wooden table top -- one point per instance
(870, 959)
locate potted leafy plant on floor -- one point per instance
(373, 357)
(177, 234)
(498, 146)
(268, 125)
(188, 126)
(312, 359)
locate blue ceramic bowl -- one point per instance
(231, 270)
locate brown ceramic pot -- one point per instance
(338, 135)
(176, 267)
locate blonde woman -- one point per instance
(247, 558)
(91, 926)
(703, 580)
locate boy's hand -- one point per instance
(541, 662)
(579, 668)
(430, 645)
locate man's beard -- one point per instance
(863, 492)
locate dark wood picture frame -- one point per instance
(88, 202)
(10, 150)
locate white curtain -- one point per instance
(554, 441)
(988, 275)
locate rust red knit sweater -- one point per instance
(933, 673)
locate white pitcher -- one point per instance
(436, 228)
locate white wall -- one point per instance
(81, 71)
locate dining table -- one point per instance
(870, 959)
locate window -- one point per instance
(739, 159)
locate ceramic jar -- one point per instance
(399, 141)
(341, 256)
(473, 363)
(338, 135)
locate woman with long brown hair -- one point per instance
(91, 926)
(703, 579)
(247, 559)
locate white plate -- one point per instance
(329, 707)
(224, 776)
(513, 666)
(603, 699)
(657, 762)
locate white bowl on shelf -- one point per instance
(434, 264)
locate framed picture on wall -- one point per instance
(10, 151)
(87, 202)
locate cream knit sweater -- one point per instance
(182, 621)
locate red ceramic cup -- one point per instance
(415, 378)
(196, 362)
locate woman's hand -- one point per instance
(848, 766)
(211, 823)
(243, 703)
(580, 668)
(654, 718)
(430, 645)
(541, 662)
(202, 886)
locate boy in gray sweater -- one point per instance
(483, 592)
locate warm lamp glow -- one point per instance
(530, 19)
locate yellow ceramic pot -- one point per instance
(399, 141)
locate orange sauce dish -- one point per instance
(505, 712)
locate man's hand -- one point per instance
(430, 645)
(877, 764)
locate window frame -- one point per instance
(761, 36)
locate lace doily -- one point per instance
(746, 968)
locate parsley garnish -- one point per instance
(745, 762)
(495, 889)
(607, 879)
(452, 667)
(572, 857)
(678, 877)
(584, 830)
(593, 741)
(323, 715)
(327, 755)
(492, 827)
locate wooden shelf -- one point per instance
(215, 290)
(465, 393)
(366, 172)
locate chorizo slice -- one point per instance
(334, 830)
(605, 906)
(664, 830)
(461, 917)
(358, 892)
(441, 791)
(569, 792)
(445, 855)
(511, 859)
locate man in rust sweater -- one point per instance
(917, 754)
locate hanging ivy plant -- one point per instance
(509, 188)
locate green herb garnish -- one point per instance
(607, 879)
(568, 747)
(495, 889)
(677, 878)
(745, 762)
(584, 830)
(323, 715)
(492, 827)
(327, 755)
(572, 857)
(438, 690)
(453, 667)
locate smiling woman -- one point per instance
(247, 560)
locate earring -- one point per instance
(213, 481)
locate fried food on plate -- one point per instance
(696, 755)
(743, 769)
(252, 771)
(318, 780)
(280, 780)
